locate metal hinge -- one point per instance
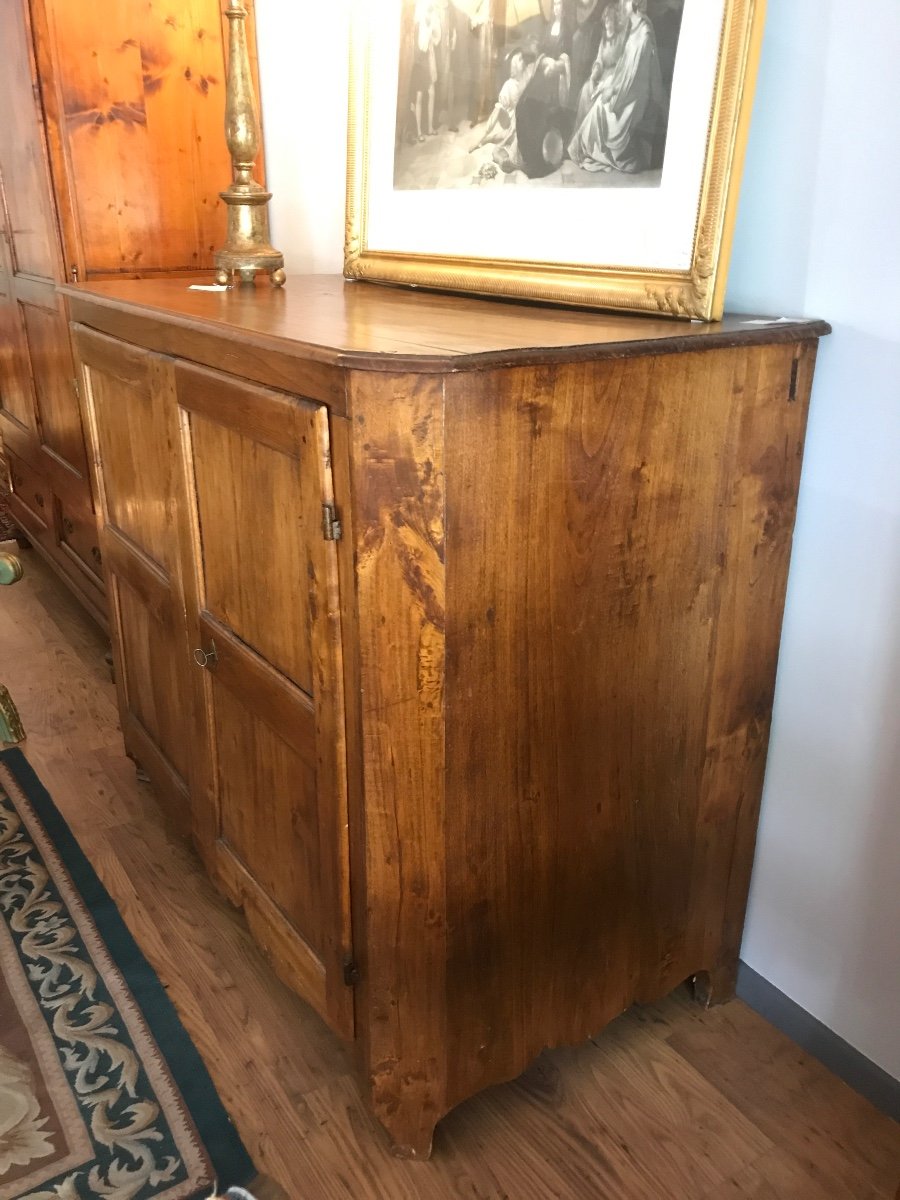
(331, 524)
(76, 387)
(351, 972)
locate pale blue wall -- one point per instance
(819, 234)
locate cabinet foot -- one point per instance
(409, 1126)
(23, 542)
(139, 771)
(417, 1146)
(717, 986)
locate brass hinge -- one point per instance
(331, 524)
(76, 387)
(351, 972)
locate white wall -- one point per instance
(818, 235)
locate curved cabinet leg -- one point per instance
(410, 1138)
(142, 776)
(406, 1105)
(716, 986)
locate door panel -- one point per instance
(39, 405)
(257, 830)
(16, 394)
(52, 369)
(129, 406)
(154, 655)
(33, 235)
(241, 486)
(271, 817)
(137, 468)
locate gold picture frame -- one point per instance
(689, 279)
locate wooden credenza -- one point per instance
(449, 629)
(112, 154)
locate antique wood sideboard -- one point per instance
(449, 629)
(112, 154)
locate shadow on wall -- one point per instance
(825, 904)
(874, 898)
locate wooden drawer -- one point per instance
(31, 503)
(78, 536)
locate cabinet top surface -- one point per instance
(374, 327)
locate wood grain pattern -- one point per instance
(398, 522)
(34, 242)
(499, 756)
(16, 387)
(618, 528)
(30, 503)
(765, 447)
(111, 160)
(79, 537)
(53, 373)
(135, 98)
(39, 411)
(241, 484)
(323, 322)
(672, 1100)
(129, 404)
(267, 772)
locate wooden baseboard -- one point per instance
(864, 1076)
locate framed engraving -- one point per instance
(583, 152)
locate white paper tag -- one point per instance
(772, 321)
(208, 287)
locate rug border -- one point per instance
(186, 1067)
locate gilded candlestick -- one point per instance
(247, 249)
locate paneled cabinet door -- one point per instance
(131, 413)
(261, 589)
(39, 329)
(16, 394)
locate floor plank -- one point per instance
(669, 1101)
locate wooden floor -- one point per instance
(670, 1101)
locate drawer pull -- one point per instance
(39, 499)
(96, 555)
(205, 658)
(68, 527)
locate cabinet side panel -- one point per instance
(398, 522)
(594, 607)
(762, 499)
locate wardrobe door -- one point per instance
(40, 413)
(130, 411)
(261, 588)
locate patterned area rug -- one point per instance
(102, 1094)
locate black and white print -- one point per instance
(551, 93)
